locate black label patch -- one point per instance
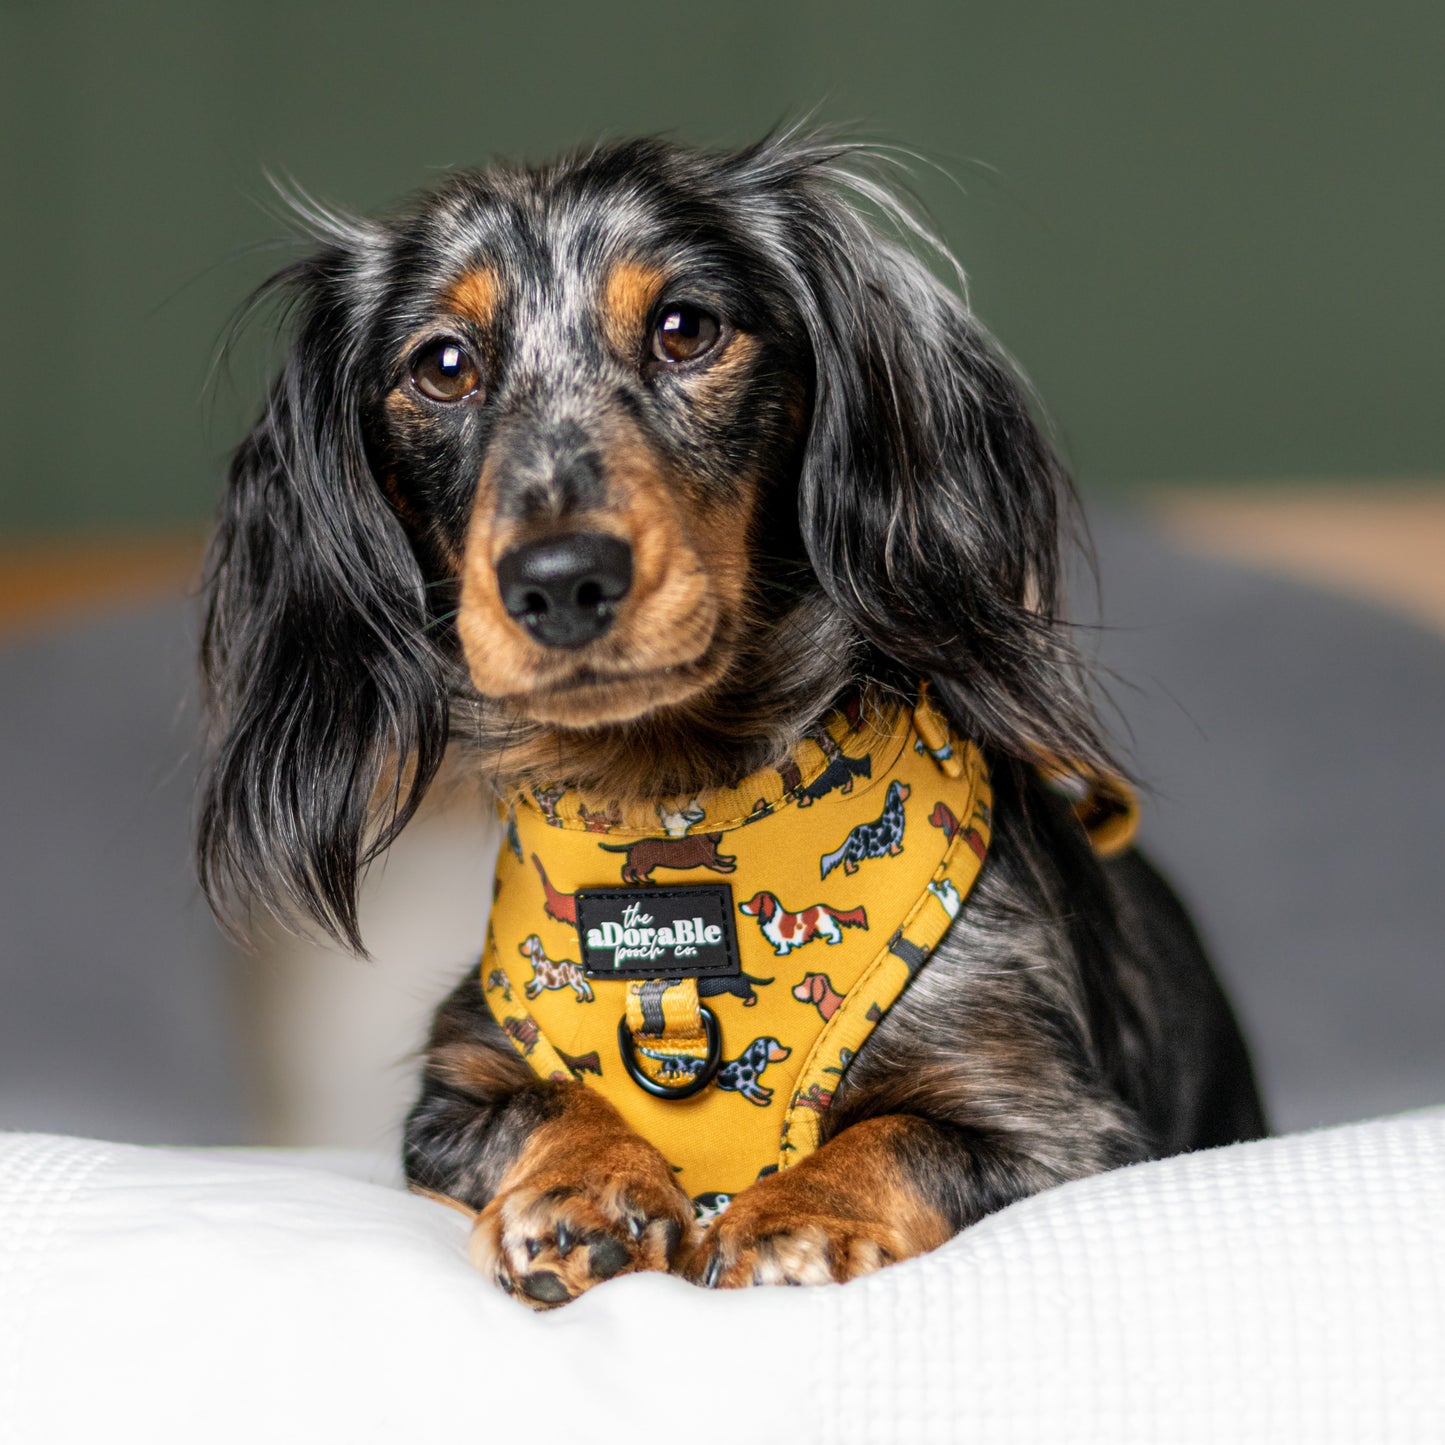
(684, 932)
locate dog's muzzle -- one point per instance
(566, 590)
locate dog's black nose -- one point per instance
(565, 590)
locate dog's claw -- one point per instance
(545, 1243)
(545, 1287)
(608, 1257)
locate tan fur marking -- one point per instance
(585, 1200)
(474, 295)
(628, 296)
(843, 1211)
(479, 1070)
(686, 580)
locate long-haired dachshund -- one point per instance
(619, 474)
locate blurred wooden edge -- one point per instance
(49, 581)
(1383, 542)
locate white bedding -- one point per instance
(1292, 1290)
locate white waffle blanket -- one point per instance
(1289, 1291)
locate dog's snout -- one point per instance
(565, 590)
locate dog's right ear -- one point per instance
(328, 706)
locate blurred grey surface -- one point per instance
(116, 1011)
(1293, 744)
(1291, 741)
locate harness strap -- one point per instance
(672, 1045)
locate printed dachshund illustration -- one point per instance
(817, 989)
(547, 800)
(588, 1063)
(675, 1068)
(741, 1075)
(740, 985)
(787, 931)
(697, 850)
(600, 822)
(707, 1207)
(548, 973)
(946, 891)
(942, 817)
(523, 1030)
(676, 822)
(498, 982)
(904, 948)
(814, 1097)
(839, 775)
(882, 838)
(558, 905)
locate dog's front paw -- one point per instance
(774, 1234)
(845, 1210)
(549, 1234)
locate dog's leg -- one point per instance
(565, 1194)
(858, 1203)
(882, 1190)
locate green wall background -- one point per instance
(1212, 234)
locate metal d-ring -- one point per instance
(627, 1047)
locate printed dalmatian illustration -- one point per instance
(946, 891)
(817, 989)
(882, 838)
(556, 904)
(741, 1075)
(707, 1207)
(787, 931)
(550, 973)
(676, 823)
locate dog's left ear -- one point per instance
(931, 502)
(328, 702)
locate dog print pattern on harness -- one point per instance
(696, 850)
(787, 931)
(786, 1030)
(882, 838)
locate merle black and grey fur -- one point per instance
(775, 462)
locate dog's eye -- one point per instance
(445, 371)
(683, 333)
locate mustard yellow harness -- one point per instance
(712, 964)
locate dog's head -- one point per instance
(623, 469)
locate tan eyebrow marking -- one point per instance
(627, 296)
(474, 295)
